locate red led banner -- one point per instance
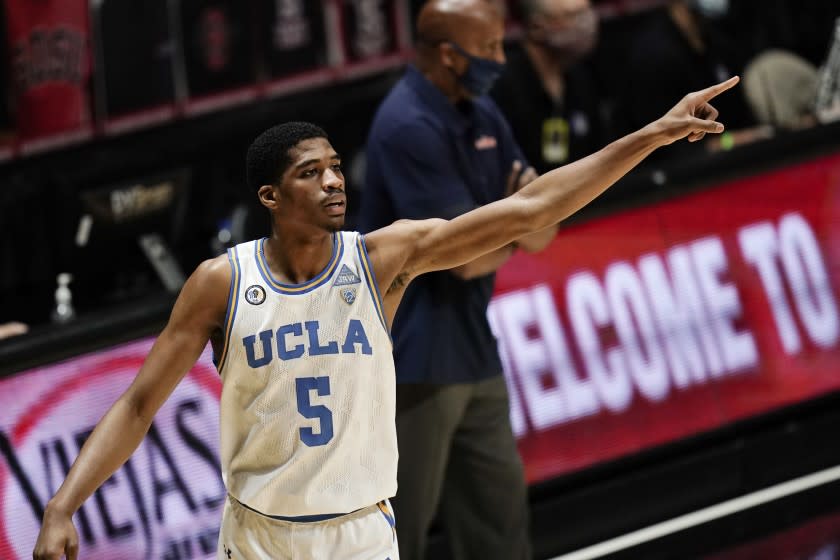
(164, 503)
(661, 322)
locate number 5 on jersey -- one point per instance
(321, 386)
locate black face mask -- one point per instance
(481, 73)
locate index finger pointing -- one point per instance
(715, 90)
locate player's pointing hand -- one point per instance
(693, 116)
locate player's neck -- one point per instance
(295, 257)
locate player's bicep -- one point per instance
(408, 248)
(391, 251)
(198, 311)
(164, 367)
(445, 244)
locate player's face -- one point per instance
(311, 190)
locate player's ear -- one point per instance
(267, 196)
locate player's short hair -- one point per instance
(268, 156)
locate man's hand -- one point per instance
(518, 178)
(693, 116)
(57, 539)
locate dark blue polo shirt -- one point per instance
(427, 158)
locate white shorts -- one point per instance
(366, 534)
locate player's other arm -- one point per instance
(199, 310)
(406, 249)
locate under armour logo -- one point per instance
(228, 553)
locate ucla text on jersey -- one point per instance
(291, 344)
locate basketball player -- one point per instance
(299, 326)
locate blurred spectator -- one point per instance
(781, 89)
(680, 48)
(549, 97)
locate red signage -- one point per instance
(48, 42)
(165, 502)
(657, 323)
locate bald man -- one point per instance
(439, 147)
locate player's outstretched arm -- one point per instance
(406, 249)
(199, 310)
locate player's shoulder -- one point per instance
(212, 276)
(400, 232)
(218, 266)
(204, 296)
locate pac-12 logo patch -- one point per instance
(255, 294)
(348, 295)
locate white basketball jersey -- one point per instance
(308, 387)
